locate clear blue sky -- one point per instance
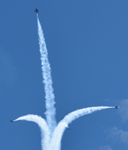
(87, 43)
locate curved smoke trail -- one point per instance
(58, 133)
(47, 79)
(43, 126)
(52, 135)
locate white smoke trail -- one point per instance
(52, 135)
(47, 79)
(58, 133)
(43, 126)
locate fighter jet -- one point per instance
(11, 121)
(116, 107)
(68, 128)
(36, 10)
(65, 124)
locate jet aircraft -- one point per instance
(116, 107)
(36, 10)
(11, 121)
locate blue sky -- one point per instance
(87, 46)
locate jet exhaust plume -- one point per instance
(43, 127)
(50, 133)
(47, 79)
(63, 124)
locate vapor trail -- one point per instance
(58, 133)
(43, 126)
(52, 135)
(47, 79)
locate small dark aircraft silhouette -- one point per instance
(11, 121)
(116, 107)
(36, 10)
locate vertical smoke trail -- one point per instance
(47, 79)
(43, 126)
(58, 133)
(52, 135)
